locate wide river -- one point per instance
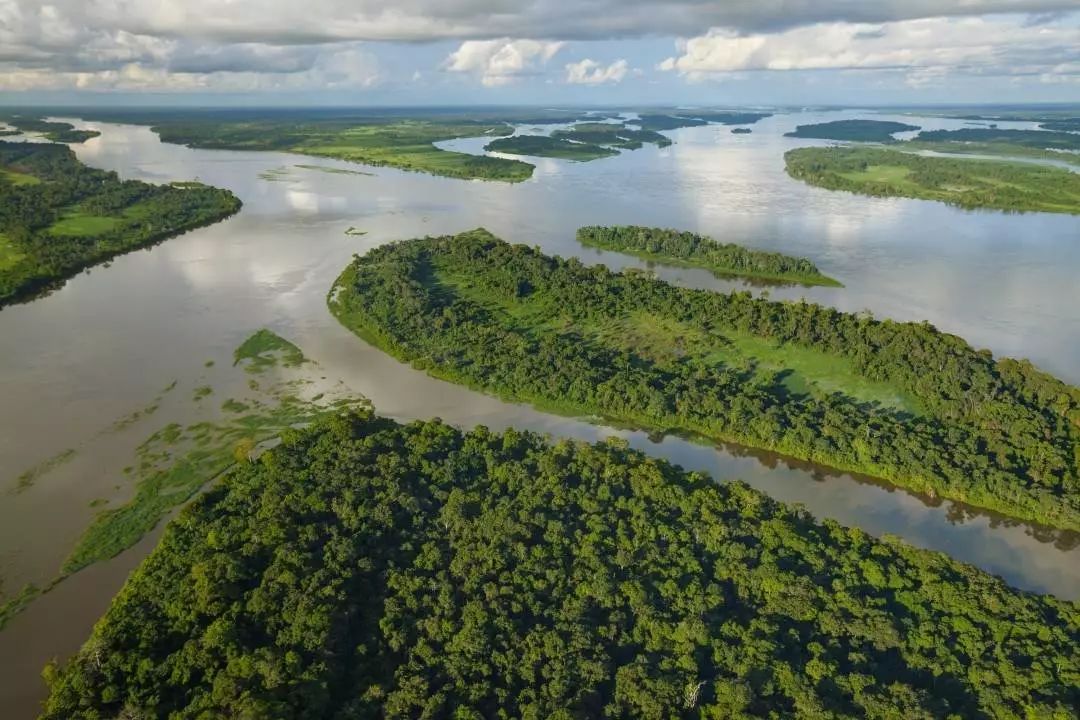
(110, 340)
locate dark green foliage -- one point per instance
(1039, 139)
(129, 215)
(741, 131)
(692, 118)
(997, 434)
(403, 144)
(857, 130)
(699, 251)
(1062, 125)
(364, 569)
(612, 135)
(553, 147)
(61, 132)
(966, 183)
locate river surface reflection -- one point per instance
(106, 344)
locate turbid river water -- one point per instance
(107, 343)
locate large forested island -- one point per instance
(405, 144)
(899, 401)
(58, 216)
(55, 131)
(855, 130)
(693, 250)
(964, 182)
(366, 569)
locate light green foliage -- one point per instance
(692, 250)
(967, 183)
(899, 401)
(266, 349)
(364, 569)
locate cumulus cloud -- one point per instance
(590, 72)
(979, 45)
(498, 62)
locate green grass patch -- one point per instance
(266, 349)
(17, 178)
(79, 225)
(10, 254)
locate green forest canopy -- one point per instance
(899, 401)
(966, 183)
(552, 147)
(686, 248)
(366, 569)
(58, 216)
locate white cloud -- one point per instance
(498, 62)
(590, 72)
(980, 45)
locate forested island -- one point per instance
(696, 118)
(966, 183)
(368, 569)
(878, 131)
(1060, 146)
(58, 216)
(583, 142)
(60, 132)
(898, 401)
(693, 250)
(402, 144)
(552, 147)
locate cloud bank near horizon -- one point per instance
(435, 46)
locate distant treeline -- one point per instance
(997, 434)
(700, 251)
(106, 216)
(56, 131)
(1040, 139)
(365, 569)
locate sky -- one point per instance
(542, 52)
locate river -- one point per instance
(106, 344)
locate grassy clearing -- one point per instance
(18, 178)
(79, 225)
(10, 255)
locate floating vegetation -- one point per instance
(29, 477)
(266, 349)
(334, 170)
(355, 231)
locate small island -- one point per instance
(696, 118)
(741, 131)
(551, 147)
(692, 250)
(901, 402)
(878, 131)
(58, 216)
(612, 135)
(368, 569)
(964, 182)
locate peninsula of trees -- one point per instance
(58, 216)
(898, 401)
(966, 183)
(693, 250)
(60, 132)
(879, 131)
(367, 569)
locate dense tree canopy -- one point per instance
(699, 251)
(857, 130)
(998, 434)
(58, 216)
(364, 569)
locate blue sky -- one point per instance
(715, 52)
